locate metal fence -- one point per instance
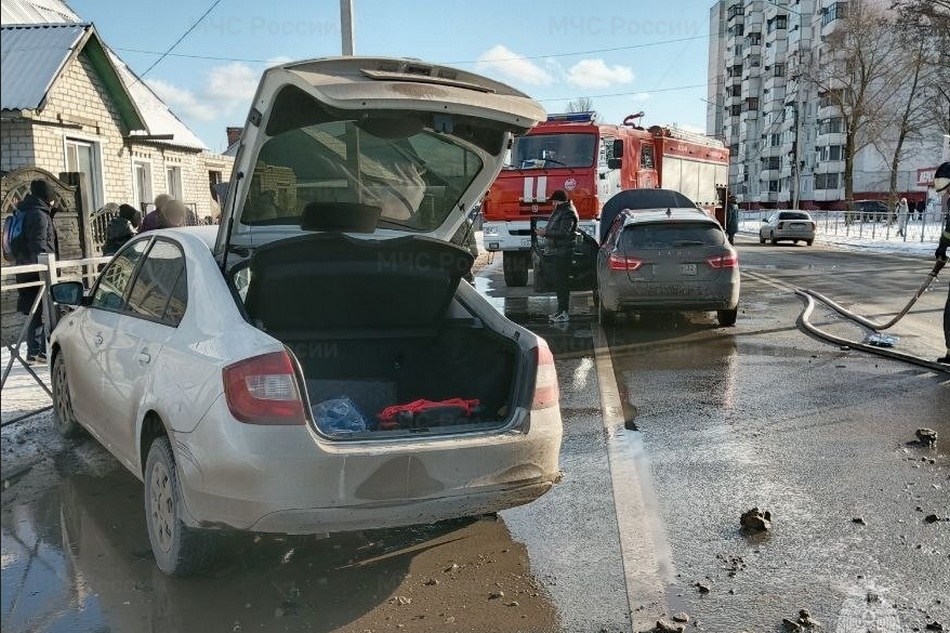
(50, 271)
(863, 226)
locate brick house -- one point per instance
(69, 104)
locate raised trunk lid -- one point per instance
(337, 138)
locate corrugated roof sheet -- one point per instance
(36, 12)
(159, 119)
(31, 59)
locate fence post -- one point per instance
(50, 277)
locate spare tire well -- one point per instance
(152, 428)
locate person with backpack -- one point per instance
(121, 228)
(36, 235)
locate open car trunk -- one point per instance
(374, 324)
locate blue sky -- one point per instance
(628, 56)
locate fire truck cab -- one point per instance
(592, 162)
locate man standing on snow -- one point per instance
(942, 186)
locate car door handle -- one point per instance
(98, 338)
(144, 357)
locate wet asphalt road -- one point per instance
(673, 427)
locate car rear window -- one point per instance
(672, 235)
(791, 215)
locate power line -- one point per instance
(629, 94)
(187, 32)
(249, 60)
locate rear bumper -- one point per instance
(287, 479)
(622, 294)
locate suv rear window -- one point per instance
(791, 215)
(672, 235)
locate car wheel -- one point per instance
(773, 240)
(606, 316)
(515, 264)
(179, 550)
(63, 415)
(727, 318)
(809, 242)
(761, 239)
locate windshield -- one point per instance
(543, 151)
(410, 180)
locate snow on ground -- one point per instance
(879, 237)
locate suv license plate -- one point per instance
(688, 269)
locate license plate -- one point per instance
(798, 226)
(688, 269)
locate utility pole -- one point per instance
(346, 26)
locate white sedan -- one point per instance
(789, 226)
(315, 365)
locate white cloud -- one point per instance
(183, 101)
(229, 89)
(595, 73)
(232, 82)
(502, 60)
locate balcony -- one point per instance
(769, 174)
(830, 138)
(829, 167)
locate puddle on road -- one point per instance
(76, 557)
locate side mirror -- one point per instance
(614, 163)
(765, 219)
(70, 293)
(618, 148)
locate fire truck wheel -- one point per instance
(515, 265)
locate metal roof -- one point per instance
(31, 60)
(36, 12)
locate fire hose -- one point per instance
(810, 296)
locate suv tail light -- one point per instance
(546, 393)
(619, 262)
(264, 390)
(728, 260)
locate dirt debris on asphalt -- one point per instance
(755, 520)
(927, 437)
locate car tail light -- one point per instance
(546, 393)
(619, 262)
(264, 390)
(727, 260)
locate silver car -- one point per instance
(674, 259)
(789, 226)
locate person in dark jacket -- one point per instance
(38, 236)
(559, 236)
(121, 228)
(942, 186)
(732, 220)
(921, 207)
(154, 218)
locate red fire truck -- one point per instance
(592, 162)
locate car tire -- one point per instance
(809, 242)
(773, 240)
(179, 550)
(761, 239)
(606, 316)
(515, 265)
(64, 418)
(727, 318)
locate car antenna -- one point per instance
(230, 227)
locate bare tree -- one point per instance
(854, 74)
(582, 104)
(906, 115)
(930, 20)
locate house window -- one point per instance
(141, 183)
(83, 157)
(173, 182)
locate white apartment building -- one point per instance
(786, 140)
